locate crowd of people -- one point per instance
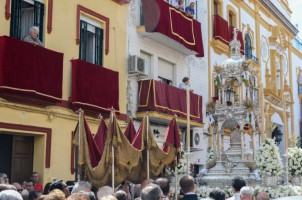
(149, 189)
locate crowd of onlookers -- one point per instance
(149, 189)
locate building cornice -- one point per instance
(276, 12)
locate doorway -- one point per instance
(16, 158)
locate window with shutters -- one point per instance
(24, 15)
(91, 42)
(165, 71)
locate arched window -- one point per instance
(217, 5)
(248, 47)
(231, 19)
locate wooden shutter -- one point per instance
(15, 23)
(99, 35)
(38, 17)
(83, 40)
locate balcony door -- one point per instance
(16, 156)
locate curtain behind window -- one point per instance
(27, 21)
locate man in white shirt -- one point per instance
(237, 184)
(185, 84)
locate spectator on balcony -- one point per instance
(33, 37)
(185, 84)
(179, 4)
(190, 10)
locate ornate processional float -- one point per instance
(235, 111)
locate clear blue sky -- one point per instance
(296, 7)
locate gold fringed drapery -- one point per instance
(129, 159)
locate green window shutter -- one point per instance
(83, 39)
(99, 35)
(39, 17)
(15, 23)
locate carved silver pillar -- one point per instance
(219, 144)
(242, 143)
(254, 144)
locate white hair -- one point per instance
(10, 195)
(247, 191)
(105, 191)
(34, 28)
(81, 186)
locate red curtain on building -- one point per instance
(163, 98)
(159, 16)
(94, 87)
(30, 70)
(221, 29)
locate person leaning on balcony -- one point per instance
(179, 4)
(185, 84)
(190, 10)
(32, 37)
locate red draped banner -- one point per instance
(159, 16)
(221, 29)
(30, 70)
(94, 87)
(163, 98)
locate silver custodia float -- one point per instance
(236, 112)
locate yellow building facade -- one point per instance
(35, 136)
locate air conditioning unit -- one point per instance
(197, 139)
(137, 65)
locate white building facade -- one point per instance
(265, 34)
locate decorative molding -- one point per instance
(47, 132)
(7, 9)
(121, 2)
(220, 47)
(165, 118)
(96, 15)
(279, 16)
(49, 16)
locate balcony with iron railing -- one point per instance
(297, 43)
(170, 26)
(161, 101)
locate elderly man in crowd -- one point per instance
(246, 193)
(3, 178)
(263, 196)
(10, 195)
(152, 192)
(32, 37)
(164, 185)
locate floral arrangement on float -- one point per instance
(218, 70)
(295, 164)
(295, 161)
(204, 192)
(268, 159)
(280, 191)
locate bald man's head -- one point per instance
(146, 182)
(263, 196)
